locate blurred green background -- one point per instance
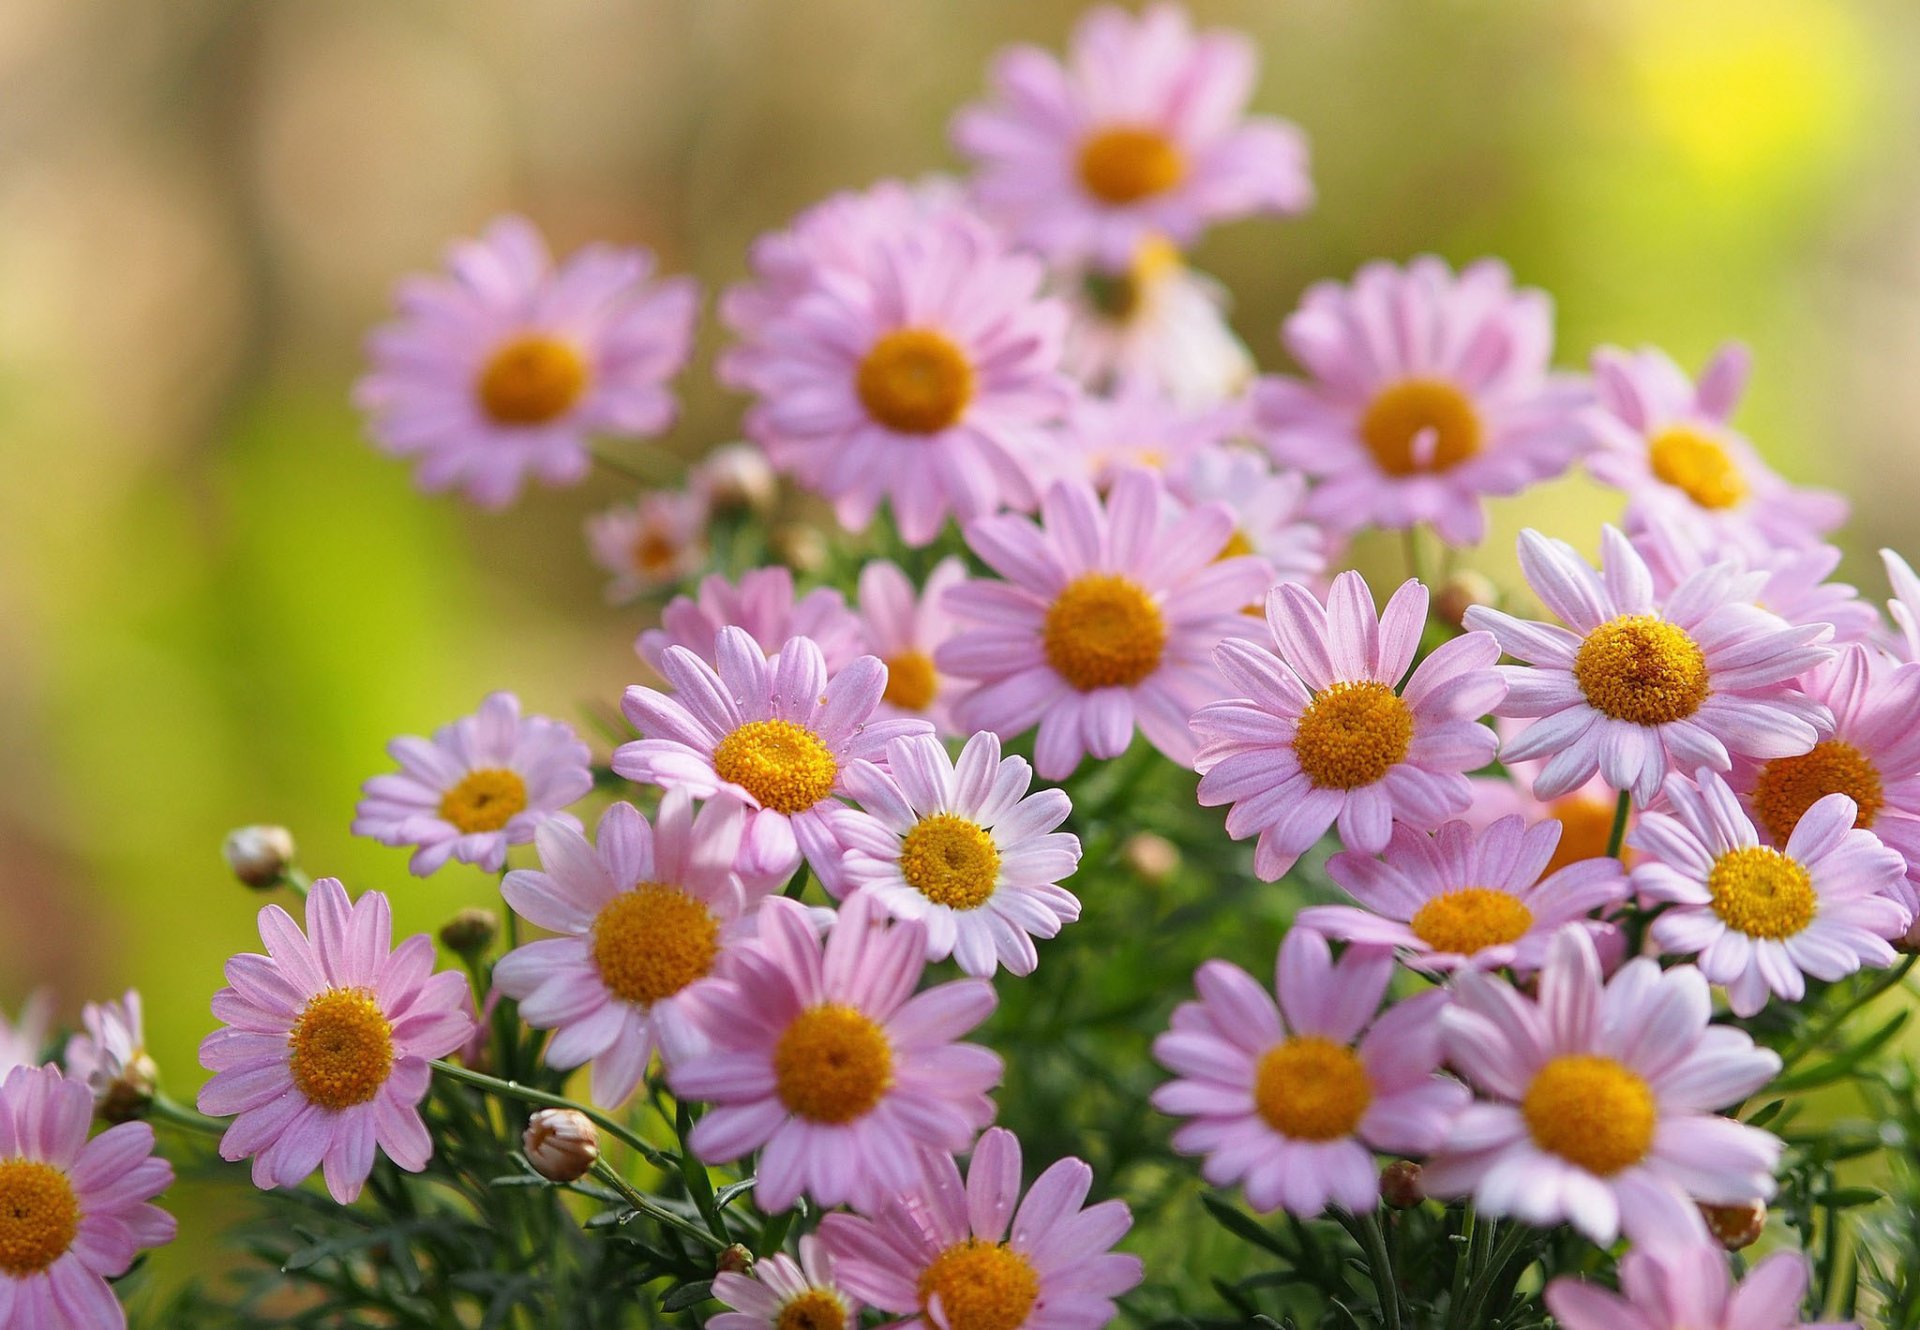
(217, 603)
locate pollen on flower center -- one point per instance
(1420, 425)
(1104, 631)
(832, 1064)
(980, 1285)
(486, 799)
(651, 942)
(340, 1048)
(1789, 786)
(1586, 828)
(1470, 919)
(1127, 163)
(1591, 1111)
(1698, 466)
(1641, 669)
(815, 1309)
(950, 861)
(531, 380)
(1762, 893)
(911, 683)
(1311, 1089)
(915, 381)
(39, 1216)
(784, 766)
(1352, 734)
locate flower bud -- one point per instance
(259, 856)
(1736, 1226)
(1460, 593)
(561, 1144)
(128, 1096)
(735, 1260)
(469, 933)
(735, 477)
(1153, 858)
(1400, 1184)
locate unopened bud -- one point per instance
(799, 546)
(259, 856)
(561, 1144)
(1736, 1226)
(1153, 858)
(128, 1096)
(1400, 1184)
(735, 1260)
(733, 477)
(469, 933)
(1462, 592)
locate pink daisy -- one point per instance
(1795, 588)
(24, 1040)
(1427, 392)
(962, 848)
(781, 1293)
(659, 540)
(1665, 440)
(506, 367)
(1324, 734)
(1758, 918)
(1598, 1100)
(904, 628)
(1142, 133)
(325, 1049)
(110, 1056)
(1294, 1099)
(824, 1060)
(962, 1255)
(1645, 683)
(1268, 505)
(763, 602)
(1154, 321)
(482, 783)
(777, 734)
(1904, 607)
(73, 1211)
(1139, 426)
(1467, 899)
(1690, 1288)
(1105, 621)
(1585, 815)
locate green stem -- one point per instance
(297, 882)
(1381, 1265)
(1416, 558)
(527, 1094)
(646, 1205)
(1617, 837)
(1808, 1043)
(1511, 1242)
(1462, 1266)
(163, 1109)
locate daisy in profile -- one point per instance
(1157, 322)
(74, 1212)
(480, 784)
(776, 734)
(22, 1041)
(1143, 132)
(1690, 1287)
(1269, 506)
(1666, 441)
(1461, 898)
(323, 1050)
(1323, 733)
(658, 540)
(1104, 622)
(110, 1056)
(824, 1060)
(1599, 1100)
(1426, 391)
(1638, 684)
(1292, 1100)
(507, 367)
(962, 847)
(948, 1254)
(904, 627)
(764, 604)
(1761, 918)
(780, 1293)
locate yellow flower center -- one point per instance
(1127, 163)
(911, 682)
(1789, 786)
(950, 861)
(783, 765)
(1591, 1111)
(1237, 546)
(1104, 631)
(1351, 734)
(1470, 919)
(1420, 425)
(1122, 296)
(915, 381)
(1641, 669)
(832, 1064)
(816, 1309)
(340, 1049)
(485, 800)
(981, 1286)
(39, 1216)
(1762, 893)
(531, 380)
(1698, 466)
(1311, 1089)
(1586, 826)
(651, 942)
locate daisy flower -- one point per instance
(962, 848)
(482, 783)
(1599, 1098)
(776, 734)
(950, 1254)
(658, 540)
(324, 1051)
(1105, 621)
(1690, 1288)
(1795, 585)
(1904, 607)
(1637, 683)
(22, 1041)
(904, 627)
(1292, 1100)
(763, 603)
(645, 916)
(1426, 392)
(506, 367)
(110, 1057)
(1142, 133)
(1154, 321)
(1324, 734)
(781, 1293)
(1585, 815)
(73, 1212)
(824, 1060)
(1665, 440)
(1139, 426)
(1759, 918)
(1269, 506)
(1466, 898)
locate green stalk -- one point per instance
(647, 1206)
(1617, 837)
(1381, 1265)
(527, 1094)
(163, 1109)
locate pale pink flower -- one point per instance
(1795, 587)
(1689, 1287)
(23, 1041)
(1269, 508)
(780, 1293)
(763, 603)
(1585, 814)
(1139, 426)
(904, 628)
(658, 540)
(111, 1046)
(1904, 607)
(1154, 321)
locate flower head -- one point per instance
(1156, 322)
(763, 603)
(1140, 426)
(1689, 1287)
(1269, 506)
(904, 628)
(110, 1056)
(784, 1294)
(658, 540)
(23, 1041)
(1795, 584)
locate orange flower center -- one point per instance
(1127, 163)
(915, 381)
(532, 380)
(1420, 425)
(39, 1216)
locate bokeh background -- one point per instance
(217, 603)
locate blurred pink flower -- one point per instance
(23, 1041)
(658, 540)
(905, 628)
(1153, 321)
(764, 604)
(1689, 1287)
